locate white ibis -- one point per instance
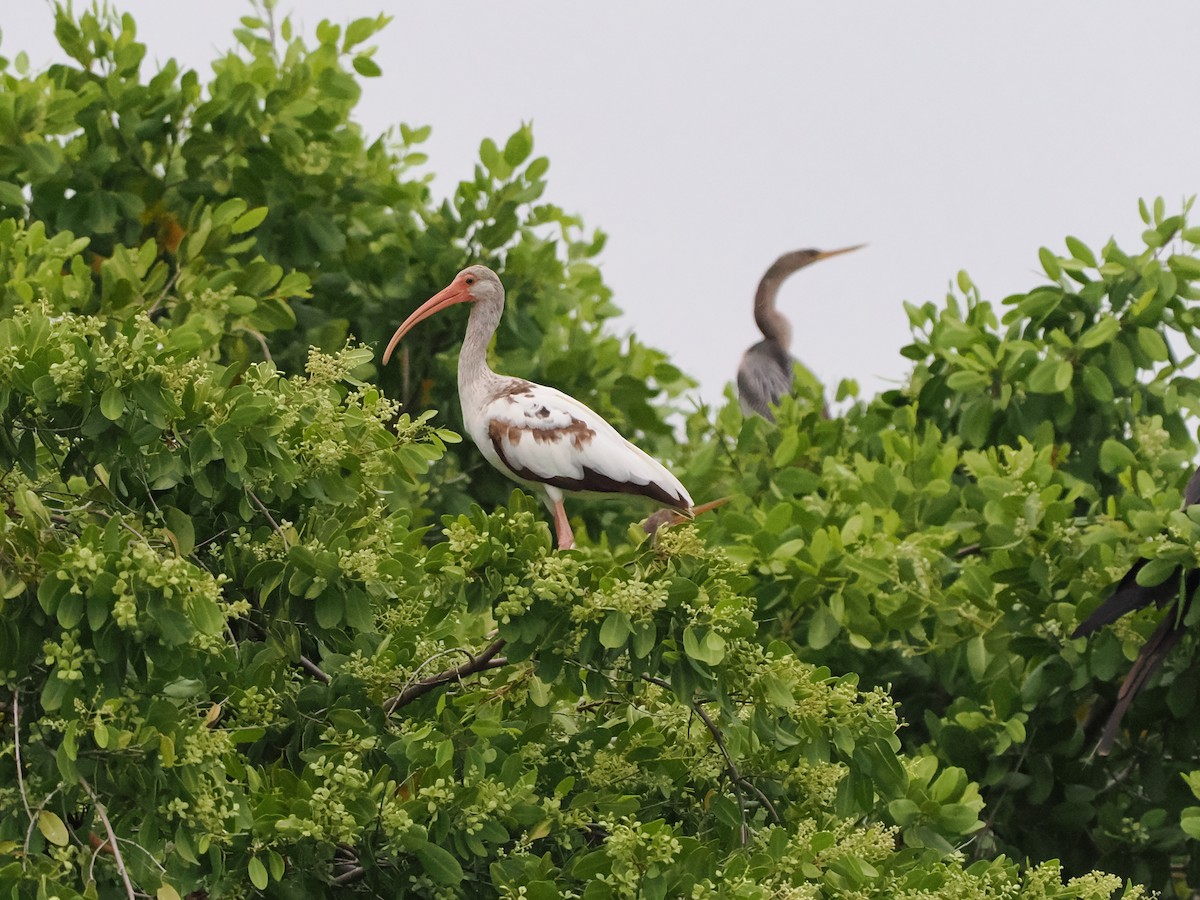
(537, 436)
(766, 371)
(1178, 589)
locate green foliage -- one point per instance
(238, 655)
(184, 536)
(1082, 358)
(944, 540)
(267, 163)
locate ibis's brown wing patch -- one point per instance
(579, 435)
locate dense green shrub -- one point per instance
(946, 538)
(254, 632)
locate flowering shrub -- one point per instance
(255, 637)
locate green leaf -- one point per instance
(1080, 251)
(1050, 263)
(52, 828)
(439, 864)
(489, 154)
(1187, 266)
(250, 220)
(705, 647)
(518, 147)
(977, 657)
(966, 380)
(1152, 344)
(330, 608)
(11, 194)
(366, 67)
(904, 811)
(257, 872)
(1115, 456)
(358, 31)
(822, 628)
(1050, 376)
(112, 403)
(1105, 329)
(1156, 571)
(1096, 383)
(615, 630)
(1189, 821)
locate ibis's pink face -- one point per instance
(458, 291)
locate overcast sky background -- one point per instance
(708, 137)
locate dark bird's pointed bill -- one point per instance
(826, 254)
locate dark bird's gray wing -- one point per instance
(1191, 493)
(764, 377)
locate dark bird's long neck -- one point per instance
(771, 322)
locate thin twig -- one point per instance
(16, 715)
(112, 838)
(994, 806)
(485, 660)
(96, 850)
(313, 669)
(731, 769)
(266, 512)
(270, 10)
(262, 343)
(209, 540)
(349, 876)
(166, 290)
(33, 821)
(412, 678)
(405, 377)
(736, 778)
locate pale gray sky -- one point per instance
(708, 137)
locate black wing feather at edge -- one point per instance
(1179, 586)
(594, 481)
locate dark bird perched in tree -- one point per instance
(766, 371)
(1177, 590)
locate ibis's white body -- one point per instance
(552, 444)
(537, 436)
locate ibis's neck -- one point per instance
(770, 321)
(476, 380)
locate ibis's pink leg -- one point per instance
(566, 539)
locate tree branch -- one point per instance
(112, 838)
(266, 512)
(16, 717)
(736, 778)
(488, 659)
(349, 876)
(313, 669)
(262, 342)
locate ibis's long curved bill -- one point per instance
(455, 293)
